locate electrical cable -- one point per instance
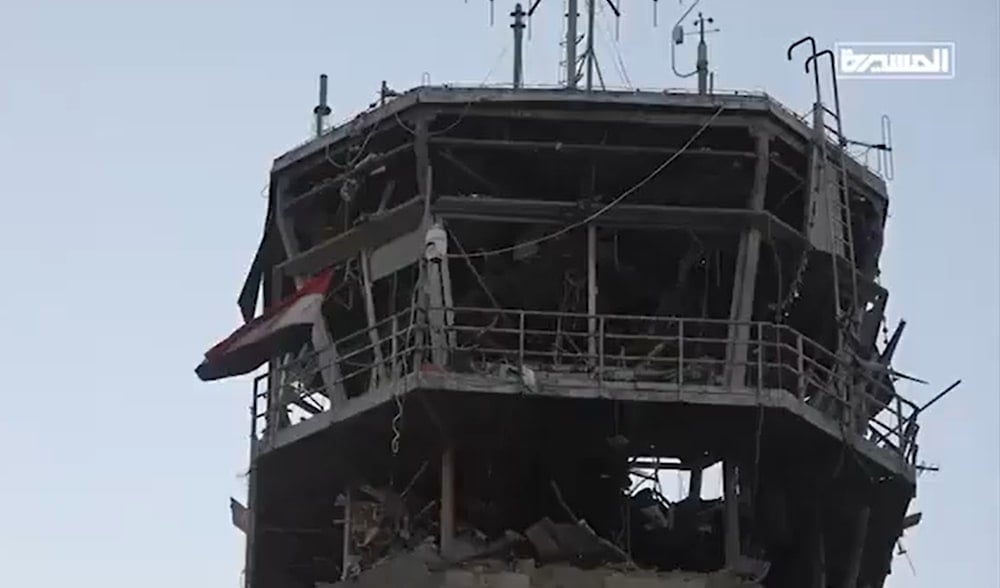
(615, 202)
(619, 61)
(461, 117)
(361, 151)
(358, 157)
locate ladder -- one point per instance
(839, 239)
(841, 235)
(829, 185)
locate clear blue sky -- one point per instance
(136, 137)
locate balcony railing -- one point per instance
(689, 354)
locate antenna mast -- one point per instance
(573, 39)
(701, 65)
(322, 109)
(518, 27)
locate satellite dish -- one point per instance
(678, 34)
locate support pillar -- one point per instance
(592, 293)
(447, 521)
(695, 483)
(857, 548)
(378, 370)
(347, 558)
(436, 255)
(732, 513)
(745, 276)
(818, 557)
(327, 356)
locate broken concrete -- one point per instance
(413, 570)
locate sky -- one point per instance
(135, 142)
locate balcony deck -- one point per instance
(683, 362)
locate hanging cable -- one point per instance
(607, 206)
(619, 60)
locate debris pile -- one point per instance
(391, 547)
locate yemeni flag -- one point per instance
(283, 328)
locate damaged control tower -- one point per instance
(488, 312)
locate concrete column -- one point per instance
(857, 548)
(436, 258)
(694, 484)
(327, 356)
(592, 292)
(818, 564)
(732, 513)
(447, 520)
(745, 276)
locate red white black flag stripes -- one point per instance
(281, 329)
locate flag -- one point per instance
(283, 328)
(240, 515)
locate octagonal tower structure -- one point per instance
(530, 297)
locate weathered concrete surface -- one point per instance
(413, 570)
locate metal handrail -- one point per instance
(682, 351)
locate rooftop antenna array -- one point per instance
(583, 66)
(701, 65)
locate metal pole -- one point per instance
(518, 27)
(322, 110)
(591, 290)
(590, 44)
(571, 19)
(702, 65)
(345, 559)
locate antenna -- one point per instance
(322, 110)
(573, 38)
(518, 27)
(701, 65)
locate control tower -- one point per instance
(493, 317)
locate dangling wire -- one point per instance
(397, 420)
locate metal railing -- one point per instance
(466, 86)
(682, 353)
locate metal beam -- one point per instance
(627, 216)
(602, 116)
(580, 147)
(622, 216)
(328, 185)
(377, 231)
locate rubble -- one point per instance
(395, 549)
(411, 571)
